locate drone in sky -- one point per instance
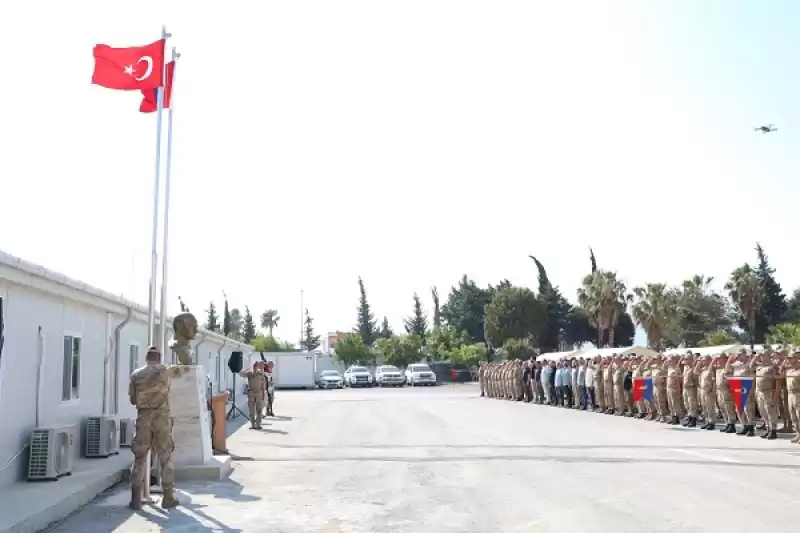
(766, 129)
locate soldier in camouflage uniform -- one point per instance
(256, 389)
(149, 392)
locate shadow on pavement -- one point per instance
(526, 447)
(522, 458)
(224, 490)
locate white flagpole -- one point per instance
(151, 318)
(167, 181)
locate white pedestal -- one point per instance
(191, 423)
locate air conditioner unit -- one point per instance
(127, 428)
(50, 453)
(102, 436)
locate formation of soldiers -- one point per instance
(687, 389)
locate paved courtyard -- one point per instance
(443, 460)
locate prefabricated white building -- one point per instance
(82, 343)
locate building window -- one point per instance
(134, 357)
(71, 383)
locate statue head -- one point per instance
(185, 326)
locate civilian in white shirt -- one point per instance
(580, 382)
(589, 384)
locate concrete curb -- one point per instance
(67, 505)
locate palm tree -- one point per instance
(745, 290)
(604, 298)
(654, 310)
(269, 320)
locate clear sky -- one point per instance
(407, 143)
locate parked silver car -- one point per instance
(420, 374)
(389, 376)
(358, 376)
(330, 379)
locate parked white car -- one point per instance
(420, 374)
(389, 376)
(358, 376)
(330, 379)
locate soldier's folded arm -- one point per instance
(132, 392)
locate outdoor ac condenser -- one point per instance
(102, 436)
(50, 453)
(127, 428)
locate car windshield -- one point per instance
(420, 368)
(358, 369)
(333, 373)
(389, 369)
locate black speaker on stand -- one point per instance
(235, 364)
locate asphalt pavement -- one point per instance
(441, 459)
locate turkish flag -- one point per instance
(741, 388)
(150, 96)
(642, 389)
(129, 69)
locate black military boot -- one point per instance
(731, 428)
(711, 426)
(704, 426)
(772, 434)
(692, 422)
(743, 431)
(764, 434)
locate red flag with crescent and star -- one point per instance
(642, 389)
(741, 388)
(150, 96)
(129, 69)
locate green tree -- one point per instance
(464, 309)
(400, 351)
(701, 312)
(248, 326)
(774, 306)
(184, 307)
(417, 323)
(746, 293)
(593, 260)
(351, 350)
(514, 313)
(518, 349)
(793, 308)
(604, 298)
(469, 354)
(310, 339)
(386, 330)
(655, 309)
(212, 318)
(236, 323)
(269, 320)
(555, 331)
(788, 334)
(269, 344)
(366, 326)
(226, 320)
(717, 338)
(437, 312)
(443, 341)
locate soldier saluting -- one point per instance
(149, 392)
(256, 387)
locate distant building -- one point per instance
(332, 339)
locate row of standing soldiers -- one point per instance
(690, 387)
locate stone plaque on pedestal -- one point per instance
(190, 419)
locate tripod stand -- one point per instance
(232, 412)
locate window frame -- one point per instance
(131, 364)
(74, 382)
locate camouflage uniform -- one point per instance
(149, 392)
(256, 387)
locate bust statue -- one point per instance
(184, 328)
